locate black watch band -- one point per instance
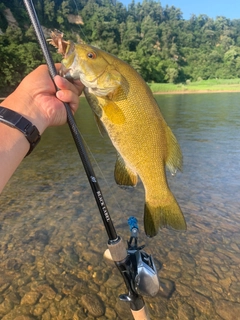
(17, 121)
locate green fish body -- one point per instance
(124, 106)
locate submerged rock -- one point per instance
(228, 310)
(30, 298)
(93, 304)
(167, 288)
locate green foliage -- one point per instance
(211, 85)
(155, 40)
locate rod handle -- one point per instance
(141, 314)
(117, 250)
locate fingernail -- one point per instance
(59, 94)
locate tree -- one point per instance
(155, 40)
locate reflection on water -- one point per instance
(52, 238)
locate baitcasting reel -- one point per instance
(142, 273)
(145, 273)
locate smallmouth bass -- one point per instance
(124, 106)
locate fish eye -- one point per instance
(91, 55)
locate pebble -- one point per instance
(227, 310)
(38, 310)
(202, 303)
(204, 291)
(23, 318)
(183, 290)
(80, 288)
(30, 298)
(93, 304)
(186, 312)
(5, 307)
(13, 264)
(114, 281)
(166, 288)
(46, 291)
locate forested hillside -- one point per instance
(155, 40)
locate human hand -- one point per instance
(37, 100)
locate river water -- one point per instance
(52, 239)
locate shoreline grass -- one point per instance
(203, 86)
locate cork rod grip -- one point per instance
(118, 251)
(141, 314)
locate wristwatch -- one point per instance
(17, 121)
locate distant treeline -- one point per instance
(155, 40)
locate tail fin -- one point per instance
(163, 216)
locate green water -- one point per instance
(49, 220)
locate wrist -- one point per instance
(17, 121)
(23, 103)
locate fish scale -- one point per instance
(124, 106)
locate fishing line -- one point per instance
(84, 140)
(81, 29)
(107, 184)
(86, 144)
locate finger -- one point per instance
(70, 97)
(64, 84)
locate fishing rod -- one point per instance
(136, 266)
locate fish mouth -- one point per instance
(66, 48)
(88, 81)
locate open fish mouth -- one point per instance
(66, 48)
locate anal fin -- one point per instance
(174, 154)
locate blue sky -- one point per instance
(212, 8)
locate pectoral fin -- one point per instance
(96, 108)
(113, 112)
(124, 176)
(100, 126)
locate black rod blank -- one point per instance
(74, 129)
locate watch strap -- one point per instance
(17, 121)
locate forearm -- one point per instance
(13, 144)
(14, 147)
